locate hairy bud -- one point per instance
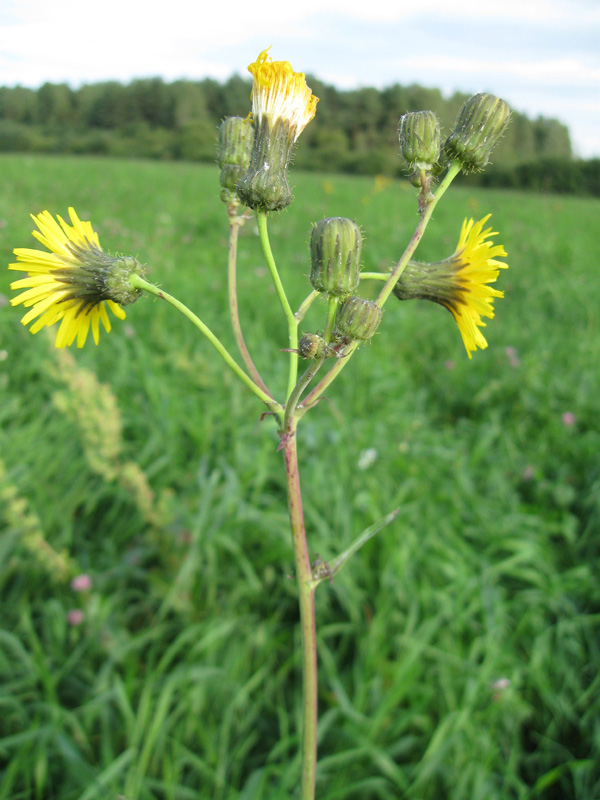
(481, 122)
(420, 141)
(335, 250)
(358, 318)
(236, 137)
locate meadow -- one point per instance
(459, 651)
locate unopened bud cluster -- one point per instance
(335, 251)
(480, 125)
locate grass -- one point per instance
(143, 465)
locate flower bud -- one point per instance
(312, 346)
(358, 318)
(335, 249)
(419, 134)
(481, 122)
(236, 137)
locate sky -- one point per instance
(541, 56)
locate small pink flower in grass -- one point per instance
(499, 687)
(568, 419)
(513, 358)
(81, 583)
(75, 617)
(528, 473)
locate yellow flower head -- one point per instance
(461, 282)
(73, 283)
(280, 93)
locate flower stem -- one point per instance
(140, 283)
(292, 401)
(331, 312)
(261, 219)
(235, 223)
(307, 618)
(306, 304)
(426, 213)
(374, 276)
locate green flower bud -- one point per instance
(335, 249)
(265, 185)
(481, 122)
(420, 141)
(236, 137)
(312, 346)
(358, 318)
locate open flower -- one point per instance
(74, 283)
(282, 106)
(460, 283)
(280, 93)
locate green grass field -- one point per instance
(459, 651)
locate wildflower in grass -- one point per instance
(81, 583)
(367, 458)
(74, 283)
(75, 617)
(282, 106)
(568, 419)
(513, 357)
(460, 283)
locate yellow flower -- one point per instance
(280, 93)
(461, 282)
(73, 283)
(282, 106)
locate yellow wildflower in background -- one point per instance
(460, 283)
(74, 283)
(280, 93)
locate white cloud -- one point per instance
(562, 71)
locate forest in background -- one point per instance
(354, 131)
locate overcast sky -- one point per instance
(541, 56)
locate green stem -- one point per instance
(292, 401)
(331, 312)
(234, 225)
(307, 618)
(312, 397)
(315, 366)
(138, 282)
(306, 304)
(261, 218)
(374, 276)
(426, 213)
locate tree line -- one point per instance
(354, 131)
